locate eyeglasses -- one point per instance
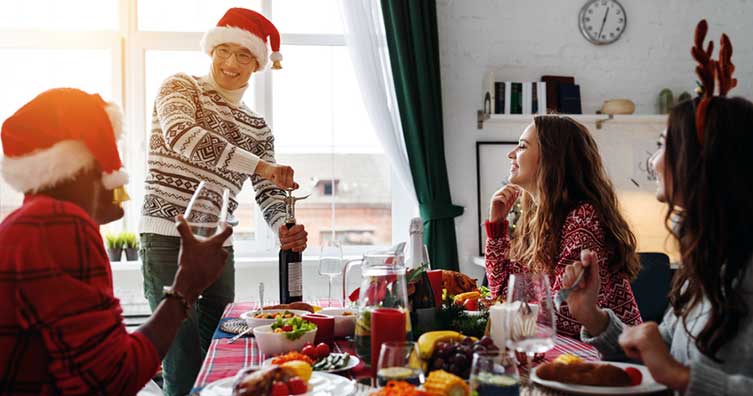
(242, 57)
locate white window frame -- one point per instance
(128, 47)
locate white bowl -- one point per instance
(345, 325)
(271, 343)
(254, 322)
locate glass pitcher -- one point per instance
(383, 285)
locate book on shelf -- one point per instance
(499, 97)
(552, 91)
(569, 99)
(527, 95)
(516, 98)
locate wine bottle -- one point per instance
(291, 263)
(422, 307)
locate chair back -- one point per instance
(651, 286)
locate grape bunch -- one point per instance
(456, 357)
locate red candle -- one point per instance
(325, 327)
(387, 324)
(435, 278)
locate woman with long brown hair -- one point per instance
(569, 205)
(705, 175)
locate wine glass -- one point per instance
(532, 323)
(201, 223)
(330, 263)
(494, 373)
(399, 361)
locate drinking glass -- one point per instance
(204, 225)
(532, 324)
(494, 374)
(331, 264)
(399, 361)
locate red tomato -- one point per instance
(310, 351)
(635, 375)
(297, 386)
(287, 328)
(322, 350)
(471, 304)
(280, 389)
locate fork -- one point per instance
(362, 389)
(564, 293)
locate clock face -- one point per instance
(602, 21)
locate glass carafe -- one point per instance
(383, 285)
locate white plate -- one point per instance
(320, 384)
(352, 362)
(648, 384)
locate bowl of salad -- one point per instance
(284, 335)
(268, 316)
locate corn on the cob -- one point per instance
(460, 298)
(442, 383)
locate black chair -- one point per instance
(652, 286)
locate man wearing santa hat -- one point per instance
(62, 328)
(203, 131)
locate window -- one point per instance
(124, 49)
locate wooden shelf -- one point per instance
(598, 119)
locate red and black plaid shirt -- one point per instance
(61, 329)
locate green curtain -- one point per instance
(411, 28)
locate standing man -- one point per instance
(202, 130)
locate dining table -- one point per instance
(225, 358)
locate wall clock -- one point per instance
(602, 21)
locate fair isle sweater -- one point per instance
(582, 229)
(203, 132)
(732, 375)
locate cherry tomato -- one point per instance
(287, 328)
(310, 351)
(322, 350)
(280, 389)
(297, 386)
(635, 375)
(471, 304)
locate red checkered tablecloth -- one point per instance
(224, 359)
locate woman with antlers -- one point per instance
(705, 171)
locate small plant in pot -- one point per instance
(131, 245)
(114, 247)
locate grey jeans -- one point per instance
(159, 255)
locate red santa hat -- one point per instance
(57, 135)
(249, 29)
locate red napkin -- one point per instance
(387, 325)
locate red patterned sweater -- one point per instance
(61, 327)
(581, 230)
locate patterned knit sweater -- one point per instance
(581, 230)
(202, 132)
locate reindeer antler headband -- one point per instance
(709, 70)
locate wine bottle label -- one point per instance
(295, 279)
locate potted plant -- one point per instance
(130, 243)
(114, 247)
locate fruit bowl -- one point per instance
(271, 343)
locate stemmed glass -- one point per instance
(532, 325)
(399, 361)
(494, 373)
(330, 263)
(200, 222)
